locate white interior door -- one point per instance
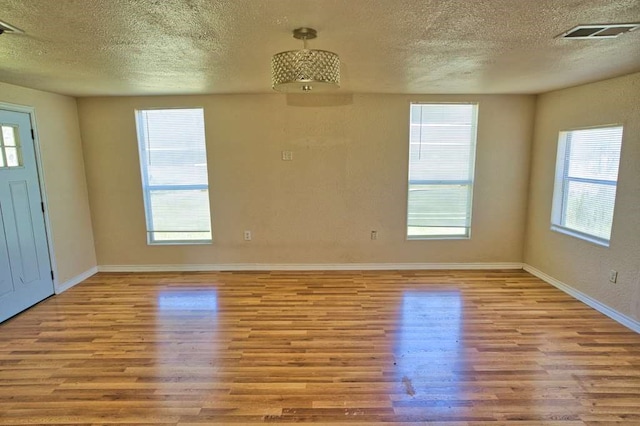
(25, 267)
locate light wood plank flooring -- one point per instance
(353, 348)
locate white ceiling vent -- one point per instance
(598, 31)
(9, 29)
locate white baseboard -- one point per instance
(623, 319)
(306, 267)
(59, 288)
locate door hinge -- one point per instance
(33, 135)
(42, 206)
(52, 275)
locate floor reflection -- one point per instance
(187, 344)
(429, 351)
(192, 300)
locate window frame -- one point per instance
(560, 194)
(147, 188)
(469, 183)
(4, 147)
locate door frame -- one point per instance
(41, 182)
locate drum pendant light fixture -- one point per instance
(305, 70)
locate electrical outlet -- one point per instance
(613, 276)
(287, 155)
(247, 235)
(374, 235)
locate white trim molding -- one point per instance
(623, 319)
(306, 267)
(59, 288)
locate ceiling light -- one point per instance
(305, 70)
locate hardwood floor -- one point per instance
(354, 348)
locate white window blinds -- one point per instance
(173, 160)
(441, 168)
(586, 181)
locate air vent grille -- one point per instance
(9, 29)
(582, 32)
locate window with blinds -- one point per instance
(586, 180)
(442, 148)
(173, 161)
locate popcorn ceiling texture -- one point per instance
(132, 47)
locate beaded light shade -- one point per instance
(305, 70)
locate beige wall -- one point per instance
(580, 264)
(348, 177)
(64, 177)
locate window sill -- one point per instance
(180, 243)
(582, 236)
(438, 237)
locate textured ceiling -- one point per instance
(151, 47)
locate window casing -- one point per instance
(586, 181)
(442, 147)
(175, 184)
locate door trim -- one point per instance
(41, 182)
